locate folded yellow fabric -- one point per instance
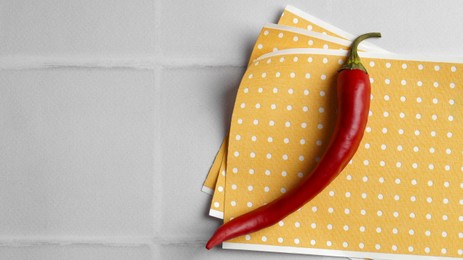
(402, 192)
(401, 197)
(272, 38)
(212, 177)
(295, 29)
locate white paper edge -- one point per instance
(207, 190)
(328, 252)
(330, 27)
(377, 55)
(216, 214)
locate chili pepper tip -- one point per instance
(212, 243)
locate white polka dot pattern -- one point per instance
(409, 159)
(268, 39)
(344, 218)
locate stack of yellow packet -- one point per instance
(401, 197)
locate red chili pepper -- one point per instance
(353, 94)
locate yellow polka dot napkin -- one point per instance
(401, 197)
(210, 183)
(401, 194)
(273, 38)
(291, 33)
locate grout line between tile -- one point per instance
(192, 242)
(136, 63)
(157, 156)
(157, 163)
(102, 241)
(82, 241)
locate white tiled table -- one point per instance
(111, 113)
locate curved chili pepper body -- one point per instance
(353, 99)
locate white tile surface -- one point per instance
(199, 253)
(204, 29)
(76, 151)
(48, 27)
(106, 158)
(75, 252)
(195, 107)
(208, 29)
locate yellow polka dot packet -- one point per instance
(400, 197)
(285, 35)
(279, 37)
(212, 178)
(271, 39)
(297, 18)
(218, 198)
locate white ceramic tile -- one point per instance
(76, 152)
(206, 29)
(78, 146)
(48, 27)
(75, 252)
(226, 31)
(198, 252)
(195, 107)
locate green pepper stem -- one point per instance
(353, 61)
